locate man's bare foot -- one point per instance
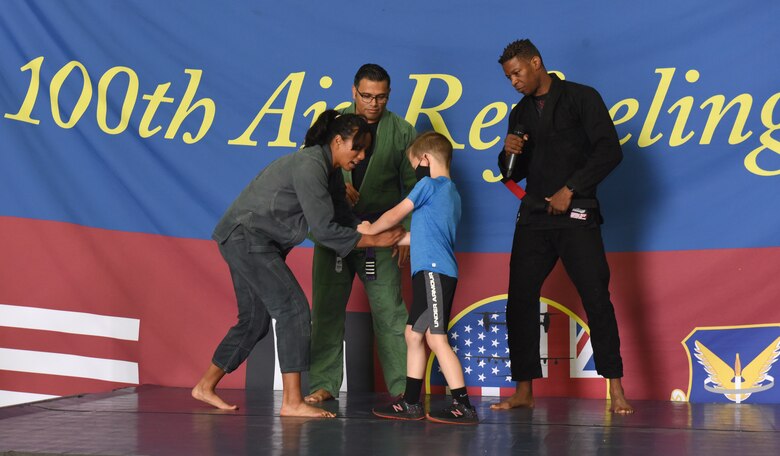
(523, 398)
(515, 401)
(619, 404)
(210, 397)
(320, 395)
(305, 410)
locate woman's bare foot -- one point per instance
(303, 409)
(292, 399)
(205, 390)
(523, 397)
(619, 403)
(210, 397)
(320, 395)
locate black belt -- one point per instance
(369, 263)
(370, 258)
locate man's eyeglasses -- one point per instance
(368, 98)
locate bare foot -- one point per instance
(306, 410)
(515, 401)
(619, 403)
(210, 397)
(320, 395)
(523, 397)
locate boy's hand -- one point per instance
(364, 228)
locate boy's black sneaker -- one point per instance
(456, 413)
(400, 410)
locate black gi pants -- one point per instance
(534, 254)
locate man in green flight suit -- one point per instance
(384, 179)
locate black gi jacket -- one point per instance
(574, 143)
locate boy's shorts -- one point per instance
(433, 294)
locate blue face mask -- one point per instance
(422, 171)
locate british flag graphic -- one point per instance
(582, 364)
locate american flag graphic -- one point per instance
(47, 353)
(478, 336)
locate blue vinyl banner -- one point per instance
(151, 116)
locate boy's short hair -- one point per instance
(432, 143)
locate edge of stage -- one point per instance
(155, 420)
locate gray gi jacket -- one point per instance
(293, 195)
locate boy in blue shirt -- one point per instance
(436, 205)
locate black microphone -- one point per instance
(511, 160)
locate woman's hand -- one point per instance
(353, 196)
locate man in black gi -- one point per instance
(565, 144)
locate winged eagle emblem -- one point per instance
(731, 381)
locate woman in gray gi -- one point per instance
(294, 195)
